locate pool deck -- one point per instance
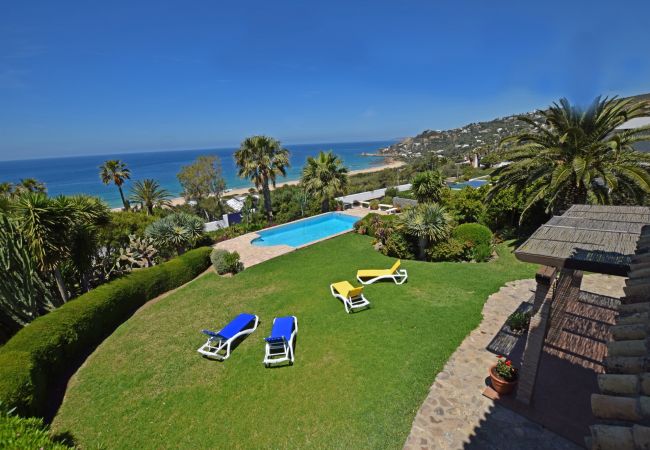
(251, 255)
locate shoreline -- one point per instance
(391, 164)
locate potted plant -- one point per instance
(503, 376)
(518, 322)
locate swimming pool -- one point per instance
(470, 183)
(296, 234)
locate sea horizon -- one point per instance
(68, 175)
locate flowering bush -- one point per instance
(505, 370)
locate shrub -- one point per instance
(518, 321)
(473, 233)
(373, 222)
(391, 192)
(374, 205)
(178, 231)
(33, 360)
(225, 261)
(398, 245)
(481, 252)
(448, 250)
(20, 433)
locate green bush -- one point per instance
(373, 221)
(225, 261)
(20, 433)
(398, 245)
(33, 360)
(374, 205)
(391, 192)
(448, 250)
(518, 321)
(473, 233)
(481, 252)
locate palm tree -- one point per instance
(428, 222)
(30, 185)
(577, 156)
(149, 194)
(45, 224)
(115, 171)
(325, 177)
(58, 230)
(428, 186)
(261, 159)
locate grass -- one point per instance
(357, 382)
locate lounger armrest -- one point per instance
(210, 333)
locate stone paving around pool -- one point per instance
(455, 414)
(251, 255)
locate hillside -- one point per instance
(459, 143)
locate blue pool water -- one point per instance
(305, 231)
(471, 183)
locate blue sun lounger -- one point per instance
(218, 344)
(279, 346)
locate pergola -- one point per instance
(593, 238)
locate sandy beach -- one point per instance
(240, 191)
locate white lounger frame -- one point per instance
(281, 351)
(215, 345)
(398, 277)
(351, 303)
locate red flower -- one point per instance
(499, 356)
(507, 363)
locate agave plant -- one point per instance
(178, 231)
(428, 222)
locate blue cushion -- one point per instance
(239, 323)
(282, 329)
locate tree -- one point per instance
(25, 185)
(428, 222)
(428, 186)
(178, 231)
(149, 194)
(115, 171)
(261, 159)
(577, 156)
(324, 177)
(59, 230)
(202, 178)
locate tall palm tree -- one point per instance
(428, 186)
(261, 159)
(324, 176)
(149, 194)
(116, 172)
(428, 222)
(577, 156)
(30, 185)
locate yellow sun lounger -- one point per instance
(370, 276)
(352, 297)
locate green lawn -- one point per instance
(357, 382)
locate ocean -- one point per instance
(80, 174)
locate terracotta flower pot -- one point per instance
(501, 386)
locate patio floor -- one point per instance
(456, 415)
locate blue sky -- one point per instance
(83, 77)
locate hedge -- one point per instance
(19, 433)
(38, 355)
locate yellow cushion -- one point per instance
(372, 273)
(346, 289)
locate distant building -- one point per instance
(636, 123)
